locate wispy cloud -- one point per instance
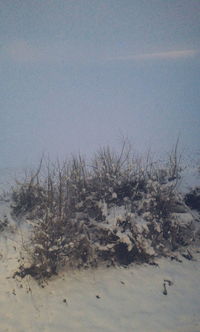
(25, 52)
(167, 55)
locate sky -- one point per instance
(79, 74)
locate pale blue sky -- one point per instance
(78, 74)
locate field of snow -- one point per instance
(104, 299)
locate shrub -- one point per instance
(192, 199)
(70, 207)
(158, 200)
(3, 223)
(27, 198)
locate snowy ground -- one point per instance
(105, 299)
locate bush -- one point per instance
(70, 206)
(192, 199)
(3, 223)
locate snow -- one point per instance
(103, 299)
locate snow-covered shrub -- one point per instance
(70, 207)
(28, 197)
(117, 176)
(192, 199)
(157, 203)
(56, 243)
(152, 238)
(29, 194)
(3, 223)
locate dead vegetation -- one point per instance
(192, 199)
(69, 205)
(3, 223)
